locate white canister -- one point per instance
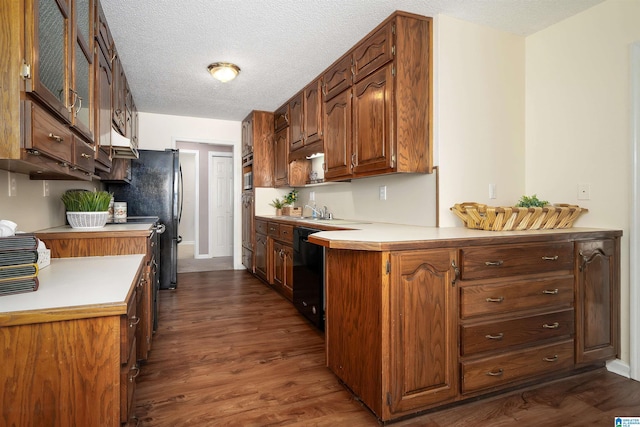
(120, 212)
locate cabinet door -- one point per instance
(280, 152)
(337, 137)
(82, 100)
(373, 133)
(277, 256)
(287, 274)
(261, 256)
(247, 220)
(597, 300)
(337, 78)
(424, 338)
(312, 114)
(373, 52)
(295, 123)
(281, 117)
(103, 111)
(49, 45)
(247, 136)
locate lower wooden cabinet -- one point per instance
(413, 329)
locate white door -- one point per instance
(221, 206)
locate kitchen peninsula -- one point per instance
(69, 347)
(419, 317)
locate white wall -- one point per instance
(578, 119)
(160, 131)
(479, 106)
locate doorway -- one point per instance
(220, 204)
(634, 243)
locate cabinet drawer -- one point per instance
(128, 324)
(286, 233)
(509, 367)
(500, 335)
(494, 299)
(84, 155)
(281, 117)
(510, 260)
(337, 78)
(273, 230)
(261, 226)
(48, 136)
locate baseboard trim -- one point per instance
(619, 367)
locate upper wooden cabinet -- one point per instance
(281, 157)
(258, 146)
(281, 117)
(305, 125)
(388, 78)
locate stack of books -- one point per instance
(18, 264)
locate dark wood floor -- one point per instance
(231, 351)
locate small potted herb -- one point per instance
(278, 204)
(87, 209)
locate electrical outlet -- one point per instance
(584, 191)
(383, 192)
(493, 191)
(45, 188)
(13, 184)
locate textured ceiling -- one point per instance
(280, 45)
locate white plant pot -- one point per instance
(87, 220)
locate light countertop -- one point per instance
(93, 285)
(109, 228)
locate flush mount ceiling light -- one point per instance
(224, 71)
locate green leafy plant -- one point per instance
(531, 202)
(86, 201)
(291, 198)
(277, 203)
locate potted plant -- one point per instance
(278, 204)
(87, 209)
(289, 201)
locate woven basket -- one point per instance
(291, 211)
(87, 220)
(482, 217)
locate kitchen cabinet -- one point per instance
(64, 242)
(73, 363)
(305, 117)
(248, 230)
(103, 83)
(377, 116)
(597, 298)
(262, 251)
(281, 158)
(416, 324)
(258, 146)
(281, 259)
(281, 117)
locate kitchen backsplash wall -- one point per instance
(29, 208)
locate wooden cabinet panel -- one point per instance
(508, 260)
(373, 124)
(498, 371)
(296, 126)
(598, 296)
(422, 315)
(337, 138)
(312, 114)
(103, 111)
(48, 136)
(261, 257)
(281, 117)
(83, 156)
(525, 294)
(258, 144)
(248, 229)
(497, 335)
(281, 156)
(337, 78)
(373, 52)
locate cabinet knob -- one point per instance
(56, 138)
(85, 155)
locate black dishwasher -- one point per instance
(308, 276)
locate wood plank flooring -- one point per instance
(230, 351)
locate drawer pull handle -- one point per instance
(494, 263)
(497, 373)
(85, 155)
(550, 258)
(494, 337)
(554, 325)
(550, 291)
(134, 321)
(500, 299)
(56, 138)
(551, 359)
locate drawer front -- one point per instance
(484, 299)
(261, 226)
(49, 136)
(511, 260)
(286, 233)
(501, 370)
(84, 155)
(500, 335)
(373, 53)
(273, 230)
(128, 326)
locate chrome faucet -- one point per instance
(321, 213)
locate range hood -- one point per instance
(122, 147)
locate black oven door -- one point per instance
(308, 276)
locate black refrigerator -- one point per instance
(154, 190)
